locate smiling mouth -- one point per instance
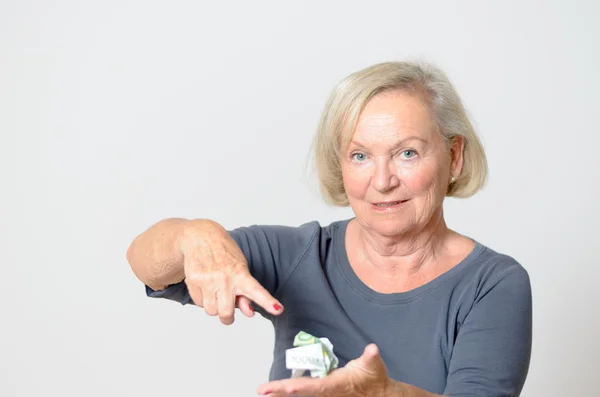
(389, 204)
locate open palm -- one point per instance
(365, 376)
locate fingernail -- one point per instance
(277, 306)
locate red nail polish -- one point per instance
(277, 306)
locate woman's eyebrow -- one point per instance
(399, 143)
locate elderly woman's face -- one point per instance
(397, 167)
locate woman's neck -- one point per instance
(405, 256)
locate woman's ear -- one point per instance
(457, 147)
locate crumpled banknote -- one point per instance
(310, 354)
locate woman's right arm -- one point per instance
(201, 253)
(155, 255)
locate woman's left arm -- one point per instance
(490, 357)
(492, 350)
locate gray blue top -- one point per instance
(465, 333)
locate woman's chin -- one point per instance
(389, 227)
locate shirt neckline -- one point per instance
(341, 258)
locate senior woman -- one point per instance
(412, 307)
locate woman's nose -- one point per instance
(385, 177)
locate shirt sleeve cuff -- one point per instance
(175, 292)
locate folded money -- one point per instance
(310, 354)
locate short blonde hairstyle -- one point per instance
(350, 96)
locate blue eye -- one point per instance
(359, 157)
(409, 153)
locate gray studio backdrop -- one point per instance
(116, 114)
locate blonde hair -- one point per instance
(350, 96)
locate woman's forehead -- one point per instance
(392, 116)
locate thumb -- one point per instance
(371, 360)
(245, 306)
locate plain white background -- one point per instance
(116, 114)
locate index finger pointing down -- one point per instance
(252, 289)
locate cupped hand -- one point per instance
(217, 274)
(365, 376)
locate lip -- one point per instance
(398, 204)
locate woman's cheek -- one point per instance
(418, 179)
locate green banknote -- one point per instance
(310, 354)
